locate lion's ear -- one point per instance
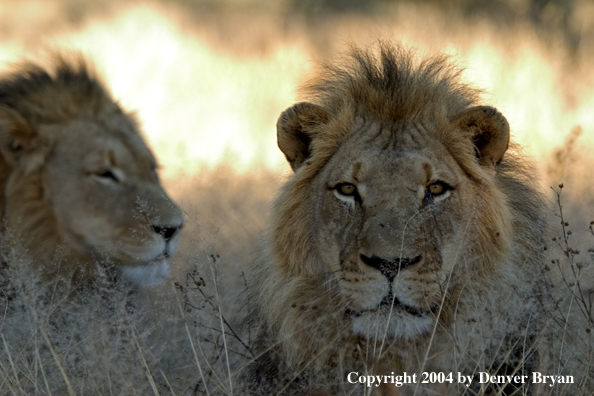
(294, 131)
(489, 130)
(16, 136)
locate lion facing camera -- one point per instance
(408, 238)
(79, 185)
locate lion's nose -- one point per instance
(389, 267)
(167, 232)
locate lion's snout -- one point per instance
(389, 267)
(167, 232)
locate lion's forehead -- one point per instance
(93, 146)
(405, 157)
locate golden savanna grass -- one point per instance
(208, 81)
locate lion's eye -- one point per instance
(347, 189)
(107, 175)
(436, 188)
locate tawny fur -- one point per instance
(470, 297)
(79, 186)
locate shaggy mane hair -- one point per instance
(389, 83)
(67, 88)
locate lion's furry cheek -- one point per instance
(85, 231)
(134, 250)
(419, 291)
(338, 256)
(132, 246)
(363, 291)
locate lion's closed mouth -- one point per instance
(385, 304)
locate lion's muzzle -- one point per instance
(169, 234)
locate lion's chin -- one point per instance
(379, 325)
(151, 274)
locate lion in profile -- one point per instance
(408, 238)
(79, 185)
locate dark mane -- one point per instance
(66, 88)
(389, 83)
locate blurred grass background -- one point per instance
(208, 78)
